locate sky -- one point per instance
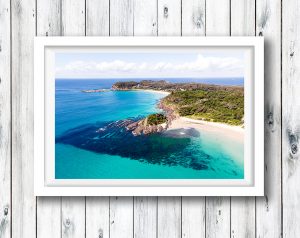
(196, 64)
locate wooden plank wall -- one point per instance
(274, 215)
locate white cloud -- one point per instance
(200, 64)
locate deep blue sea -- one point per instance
(92, 143)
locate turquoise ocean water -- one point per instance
(92, 143)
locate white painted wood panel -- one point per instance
(193, 217)
(217, 208)
(125, 217)
(169, 208)
(145, 217)
(97, 217)
(268, 208)
(217, 217)
(290, 118)
(73, 217)
(73, 17)
(97, 208)
(193, 17)
(169, 17)
(5, 120)
(121, 217)
(48, 19)
(242, 18)
(145, 208)
(48, 222)
(23, 201)
(242, 208)
(169, 217)
(193, 208)
(97, 17)
(218, 17)
(145, 17)
(48, 209)
(121, 17)
(121, 208)
(73, 208)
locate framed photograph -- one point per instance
(149, 116)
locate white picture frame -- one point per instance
(45, 183)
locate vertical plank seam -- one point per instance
(11, 108)
(205, 223)
(156, 215)
(157, 22)
(205, 216)
(181, 25)
(85, 17)
(36, 198)
(61, 22)
(281, 132)
(85, 216)
(133, 6)
(108, 17)
(181, 215)
(85, 24)
(133, 198)
(255, 200)
(230, 196)
(109, 217)
(60, 217)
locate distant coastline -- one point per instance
(189, 104)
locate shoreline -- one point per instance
(147, 90)
(234, 132)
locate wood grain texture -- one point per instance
(48, 223)
(242, 17)
(145, 217)
(169, 217)
(48, 209)
(169, 208)
(5, 120)
(121, 208)
(193, 217)
(97, 217)
(145, 17)
(97, 208)
(121, 217)
(73, 208)
(23, 18)
(169, 17)
(218, 17)
(73, 17)
(242, 208)
(193, 17)
(73, 217)
(218, 208)
(268, 208)
(290, 117)
(193, 208)
(48, 22)
(97, 17)
(145, 208)
(121, 17)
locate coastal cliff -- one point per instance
(162, 85)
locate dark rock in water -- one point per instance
(113, 138)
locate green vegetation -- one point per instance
(195, 100)
(156, 119)
(225, 106)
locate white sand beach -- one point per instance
(154, 91)
(234, 132)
